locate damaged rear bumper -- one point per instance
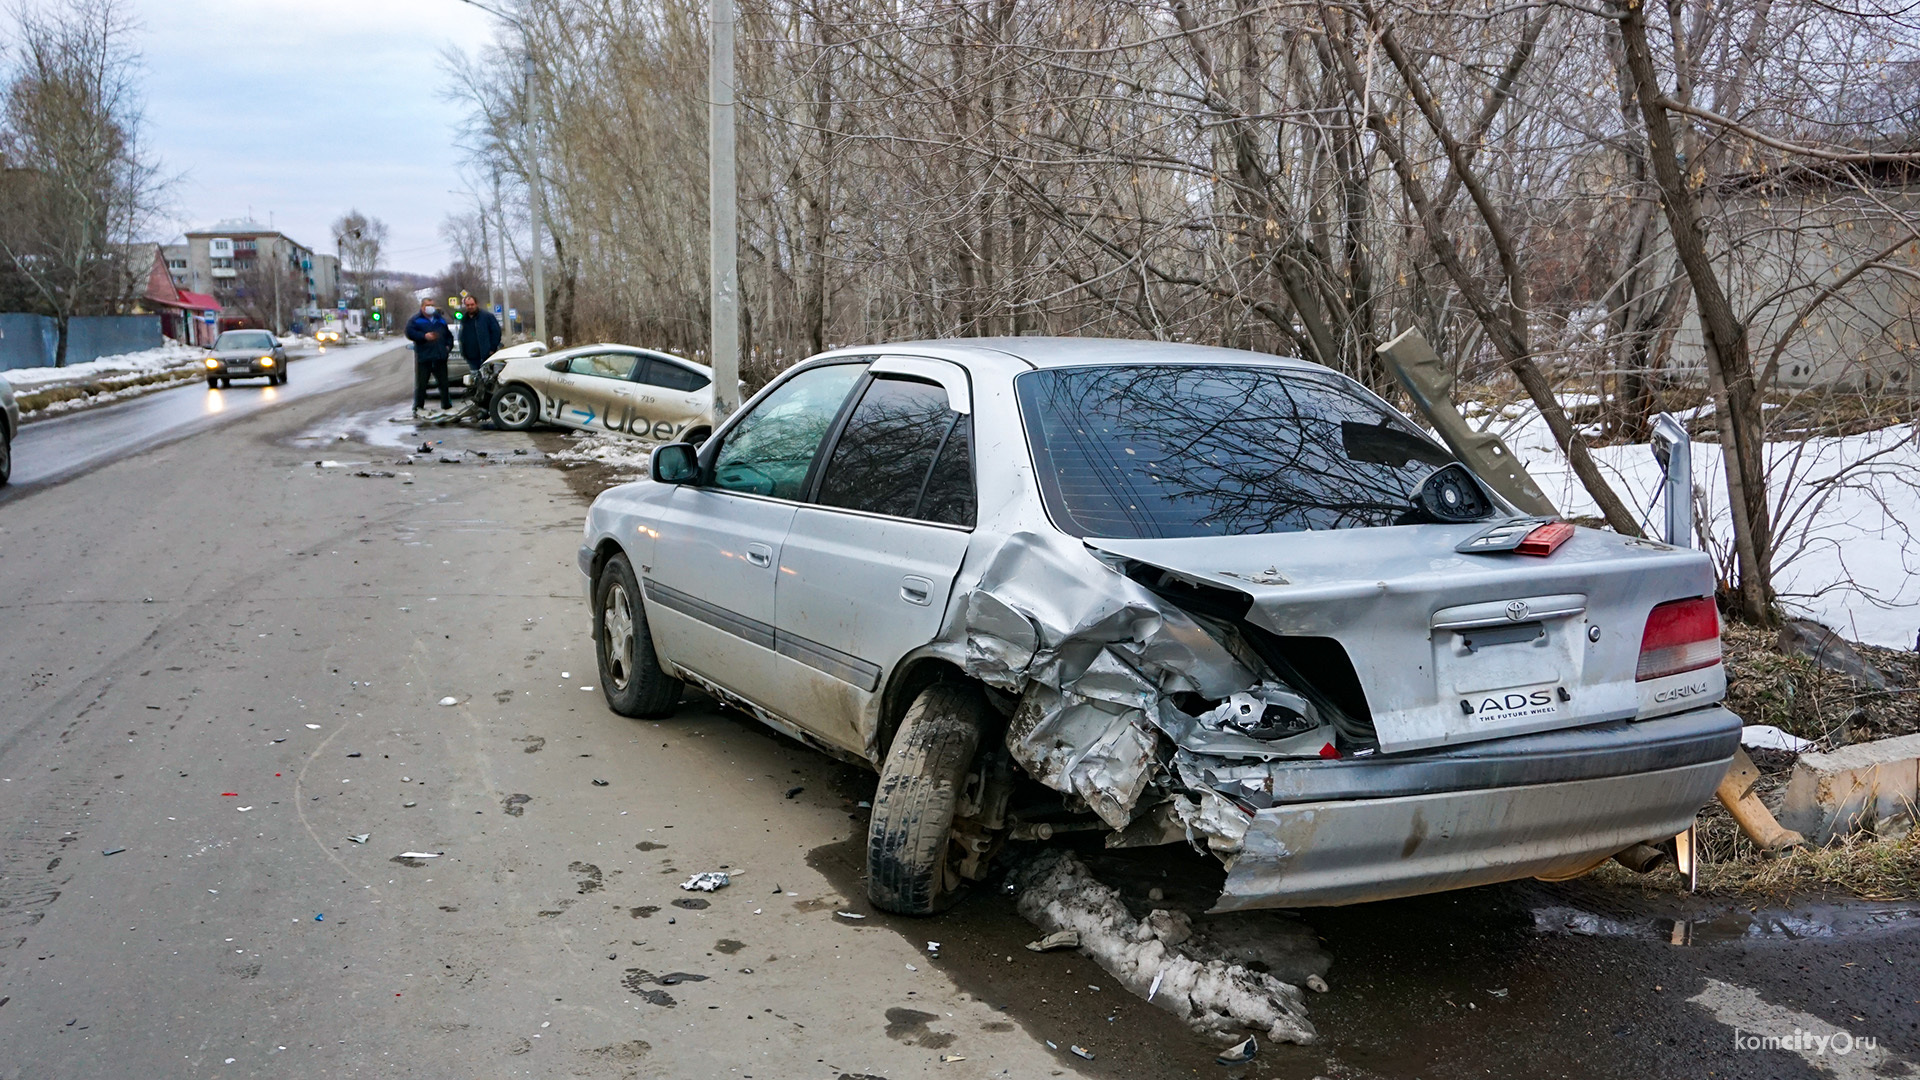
(1532, 806)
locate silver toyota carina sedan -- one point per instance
(1171, 593)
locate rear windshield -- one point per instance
(1138, 452)
(244, 339)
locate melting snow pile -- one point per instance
(169, 357)
(1215, 996)
(631, 457)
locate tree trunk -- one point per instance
(1729, 363)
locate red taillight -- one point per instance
(1543, 540)
(1681, 635)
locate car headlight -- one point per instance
(266, 361)
(213, 364)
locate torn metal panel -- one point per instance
(1094, 657)
(1088, 748)
(1430, 385)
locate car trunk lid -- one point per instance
(1450, 647)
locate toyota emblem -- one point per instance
(1517, 610)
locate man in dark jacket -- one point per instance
(479, 333)
(432, 342)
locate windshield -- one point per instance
(244, 339)
(1141, 452)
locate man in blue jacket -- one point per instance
(479, 332)
(432, 342)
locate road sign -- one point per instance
(379, 301)
(513, 313)
(340, 305)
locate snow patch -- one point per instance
(1214, 996)
(169, 357)
(631, 458)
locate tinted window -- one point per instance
(770, 450)
(244, 339)
(949, 497)
(671, 376)
(1130, 452)
(603, 365)
(883, 457)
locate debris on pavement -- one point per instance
(707, 881)
(1239, 1052)
(1081, 1052)
(599, 783)
(1317, 984)
(1768, 737)
(421, 854)
(793, 792)
(849, 914)
(360, 838)
(320, 917)
(1215, 997)
(1061, 939)
(933, 949)
(449, 700)
(113, 851)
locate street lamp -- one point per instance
(537, 198)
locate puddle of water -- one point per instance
(1720, 926)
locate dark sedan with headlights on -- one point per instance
(246, 354)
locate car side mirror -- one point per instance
(676, 463)
(557, 365)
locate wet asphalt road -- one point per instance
(204, 622)
(53, 449)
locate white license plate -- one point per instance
(1540, 701)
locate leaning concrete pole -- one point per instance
(722, 228)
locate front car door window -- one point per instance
(771, 449)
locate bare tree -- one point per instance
(77, 187)
(359, 239)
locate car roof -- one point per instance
(612, 346)
(1048, 352)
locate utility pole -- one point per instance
(536, 197)
(506, 293)
(722, 216)
(539, 207)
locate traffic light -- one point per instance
(376, 316)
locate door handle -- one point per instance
(916, 590)
(759, 554)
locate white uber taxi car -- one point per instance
(618, 388)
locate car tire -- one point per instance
(910, 867)
(696, 436)
(516, 408)
(6, 456)
(283, 377)
(213, 382)
(630, 674)
(226, 384)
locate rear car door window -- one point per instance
(671, 376)
(771, 449)
(603, 365)
(903, 453)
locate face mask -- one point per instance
(429, 309)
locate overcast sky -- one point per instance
(299, 109)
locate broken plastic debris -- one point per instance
(948, 1058)
(360, 838)
(113, 851)
(1768, 737)
(1239, 1052)
(243, 809)
(449, 701)
(933, 948)
(1500, 993)
(1064, 939)
(849, 915)
(320, 918)
(1081, 1052)
(599, 783)
(313, 727)
(1317, 984)
(409, 805)
(421, 854)
(706, 880)
(1155, 988)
